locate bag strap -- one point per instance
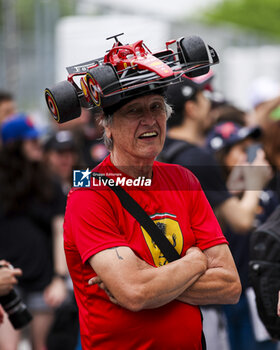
(143, 218)
(152, 229)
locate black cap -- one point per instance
(141, 92)
(178, 94)
(61, 141)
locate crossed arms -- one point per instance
(198, 278)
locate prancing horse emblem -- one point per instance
(171, 229)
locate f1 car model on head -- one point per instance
(126, 71)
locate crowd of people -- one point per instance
(36, 176)
(233, 155)
(217, 146)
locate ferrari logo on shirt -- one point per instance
(169, 226)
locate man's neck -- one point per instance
(134, 169)
(188, 132)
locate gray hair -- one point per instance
(107, 120)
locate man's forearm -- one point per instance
(215, 286)
(165, 295)
(220, 283)
(136, 285)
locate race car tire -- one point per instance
(103, 80)
(193, 49)
(63, 102)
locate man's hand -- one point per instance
(8, 277)
(197, 255)
(97, 280)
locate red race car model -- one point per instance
(136, 55)
(125, 71)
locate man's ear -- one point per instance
(108, 132)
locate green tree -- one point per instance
(25, 10)
(258, 15)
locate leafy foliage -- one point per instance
(259, 15)
(26, 10)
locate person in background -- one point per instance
(264, 96)
(87, 133)
(7, 105)
(190, 124)
(187, 130)
(228, 112)
(8, 279)
(92, 148)
(233, 146)
(271, 145)
(31, 218)
(61, 157)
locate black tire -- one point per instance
(63, 102)
(103, 80)
(191, 50)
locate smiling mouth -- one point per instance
(148, 135)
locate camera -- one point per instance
(17, 311)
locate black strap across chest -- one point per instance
(143, 218)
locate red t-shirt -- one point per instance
(95, 220)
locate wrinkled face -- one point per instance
(138, 130)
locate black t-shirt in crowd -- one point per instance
(204, 166)
(26, 239)
(240, 243)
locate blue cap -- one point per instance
(18, 127)
(227, 134)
